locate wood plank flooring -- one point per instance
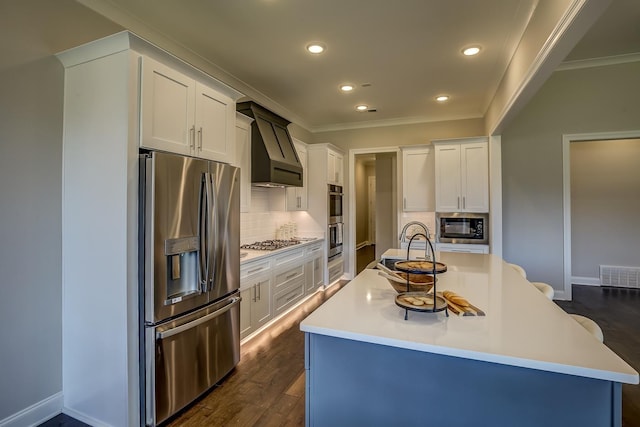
(268, 385)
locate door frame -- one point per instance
(351, 200)
(567, 139)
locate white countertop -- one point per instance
(521, 327)
(254, 255)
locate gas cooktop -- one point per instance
(270, 245)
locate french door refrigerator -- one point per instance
(189, 279)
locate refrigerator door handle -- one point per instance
(213, 245)
(204, 231)
(199, 321)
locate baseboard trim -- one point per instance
(588, 281)
(36, 413)
(84, 418)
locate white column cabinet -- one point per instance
(184, 116)
(297, 196)
(243, 159)
(462, 175)
(417, 179)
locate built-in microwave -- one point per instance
(462, 227)
(335, 204)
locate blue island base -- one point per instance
(353, 383)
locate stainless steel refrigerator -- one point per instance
(189, 279)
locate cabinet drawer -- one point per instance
(314, 250)
(335, 270)
(289, 296)
(285, 278)
(253, 268)
(296, 254)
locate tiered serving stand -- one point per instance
(430, 267)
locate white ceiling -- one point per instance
(406, 51)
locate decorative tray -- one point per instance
(420, 267)
(420, 301)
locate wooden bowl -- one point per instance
(417, 282)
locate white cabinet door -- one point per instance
(167, 109)
(215, 116)
(447, 171)
(475, 177)
(297, 196)
(417, 180)
(245, 311)
(243, 159)
(335, 163)
(462, 177)
(255, 306)
(182, 116)
(261, 307)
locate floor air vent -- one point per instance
(625, 277)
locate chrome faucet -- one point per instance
(403, 236)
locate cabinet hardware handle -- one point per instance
(291, 297)
(200, 139)
(464, 202)
(254, 270)
(458, 202)
(291, 276)
(192, 137)
(259, 288)
(255, 294)
(404, 203)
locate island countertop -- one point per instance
(521, 328)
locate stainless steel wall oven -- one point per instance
(335, 204)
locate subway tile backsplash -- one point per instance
(268, 214)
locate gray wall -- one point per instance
(605, 201)
(31, 233)
(588, 100)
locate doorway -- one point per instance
(373, 206)
(585, 229)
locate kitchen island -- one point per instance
(525, 363)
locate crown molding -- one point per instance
(598, 62)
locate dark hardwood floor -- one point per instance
(617, 312)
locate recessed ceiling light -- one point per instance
(471, 50)
(362, 107)
(346, 88)
(442, 98)
(316, 47)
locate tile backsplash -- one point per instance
(268, 214)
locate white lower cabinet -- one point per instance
(271, 285)
(255, 307)
(336, 268)
(289, 287)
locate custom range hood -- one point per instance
(274, 161)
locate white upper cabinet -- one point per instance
(297, 196)
(181, 115)
(243, 159)
(335, 168)
(417, 179)
(462, 175)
